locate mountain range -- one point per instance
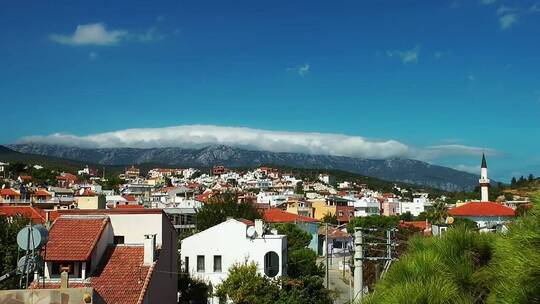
(395, 169)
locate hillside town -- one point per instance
(132, 242)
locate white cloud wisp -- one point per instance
(198, 136)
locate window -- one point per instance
(271, 264)
(217, 263)
(186, 264)
(119, 239)
(200, 263)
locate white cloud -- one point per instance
(197, 136)
(505, 9)
(93, 55)
(406, 56)
(475, 169)
(91, 34)
(508, 20)
(471, 77)
(150, 35)
(487, 2)
(300, 70)
(438, 151)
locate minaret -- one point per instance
(484, 181)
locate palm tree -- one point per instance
(438, 213)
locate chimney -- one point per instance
(259, 227)
(149, 249)
(64, 278)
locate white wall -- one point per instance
(229, 240)
(134, 226)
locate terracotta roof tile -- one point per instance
(123, 279)
(482, 209)
(274, 215)
(36, 215)
(74, 239)
(9, 192)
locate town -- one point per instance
(147, 232)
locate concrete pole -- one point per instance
(326, 253)
(358, 264)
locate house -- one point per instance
(366, 206)
(489, 216)
(415, 207)
(126, 256)
(9, 195)
(35, 215)
(66, 180)
(88, 199)
(300, 207)
(308, 224)
(218, 170)
(209, 254)
(338, 240)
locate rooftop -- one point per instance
(275, 215)
(74, 238)
(482, 209)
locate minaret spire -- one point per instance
(484, 180)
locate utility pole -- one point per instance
(358, 264)
(326, 252)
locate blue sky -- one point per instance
(458, 77)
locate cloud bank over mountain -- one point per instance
(196, 136)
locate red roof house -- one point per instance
(482, 209)
(74, 238)
(275, 215)
(37, 216)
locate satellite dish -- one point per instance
(450, 220)
(251, 232)
(3, 186)
(29, 263)
(32, 237)
(81, 191)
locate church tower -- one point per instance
(484, 181)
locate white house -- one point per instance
(415, 207)
(366, 206)
(271, 198)
(209, 254)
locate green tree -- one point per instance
(244, 285)
(299, 188)
(407, 216)
(216, 212)
(296, 237)
(9, 249)
(192, 290)
(303, 263)
(373, 221)
(308, 290)
(438, 213)
(330, 219)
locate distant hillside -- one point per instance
(11, 156)
(402, 170)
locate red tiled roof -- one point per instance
(86, 192)
(130, 198)
(9, 192)
(482, 209)
(36, 215)
(247, 222)
(130, 206)
(25, 177)
(422, 225)
(274, 215)
(74, 239)
(57, 213)
(123, 279)
(42, 192)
